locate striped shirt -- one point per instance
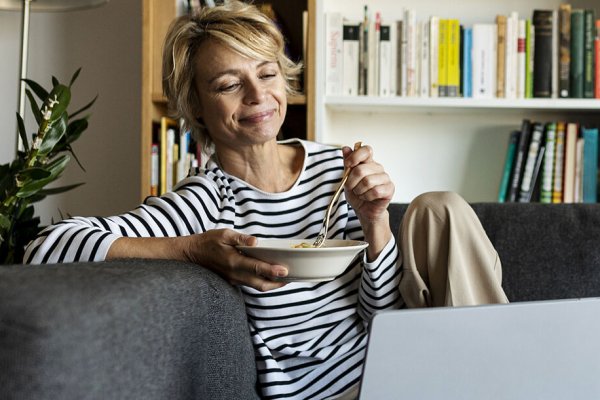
(309, 338)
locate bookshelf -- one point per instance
(156, 17)
(426, 144)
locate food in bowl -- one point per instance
(307, 264)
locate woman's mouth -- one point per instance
(257, 117)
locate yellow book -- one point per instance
(453, 80)
(443, 59)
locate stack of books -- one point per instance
(555, 53)
(555, 162)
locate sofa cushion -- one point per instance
(130, 329)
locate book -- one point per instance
(443, 58)
(521, 59)
(577, 53)
(542, 62)
(467, 76)
(569, 173)
(529, 51)
(410, 29)
(385, 62)
(559, 158)
(154, 170)
(510, 68)
(530, 163)
(484, 60)
(373, 56)
(590, 164)
(333, 54)
(424, 79)
(548, 165)
(400, 62)
(520, 158)
(434, 40)
(513, 140)
(363, 60)
(597, 60)
(555, 58)
(578, 185)
(501, 56)
(350, 59)
(564, 15)
(166, 167)
(453, 79)
(588, 53)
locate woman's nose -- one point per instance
(254, 92)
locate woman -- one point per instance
(227, 77)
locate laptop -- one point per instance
(529, 350)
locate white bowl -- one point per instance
(307, 264)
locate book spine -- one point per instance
(453, 82)
(559, 159)
(350, 61)
(522, 150)
(590, 164)
(569, 174)
(588, 66)
(577, 53)
(434, 40)
(542, 64)
(535, 143)
(597, 60)
(400, 62)
(548, 166)
(443, 58)
(154, 170)
(467, 62)
(385, 62)
(333, 54)
(554, 57)
(501, 56)
(363, 61)
(411, 52)
(578, 185)
(529, 51)
(521, 59)
(510, 68)
(484, 60)
(424, 70)
(513, 140)
(564, 49)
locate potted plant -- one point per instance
(40, 162)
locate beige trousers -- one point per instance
(448, 260)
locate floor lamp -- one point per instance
(27, 6)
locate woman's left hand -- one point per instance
(369, 191)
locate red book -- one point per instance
(597, 61)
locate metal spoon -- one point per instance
(323, 232)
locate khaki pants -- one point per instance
(448, 260)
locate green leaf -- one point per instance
(74, 77)
(82, 109)
(75, 129)
(53, 135)
(40, 92)
(55, 168)
(61, 97)
(76, 158)
(55, 81)
(23, 133)
(4, 221)
(33, 174)
(35, 109)
(61, 189)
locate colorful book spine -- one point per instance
(501, 56)
(513, 141)
(590, 164)
(597, 60)
(529, 50)
(453, 57)
(467, 75)
(528, 179)
(154, 170)
(564, 28)
(521, 59)
(559, 158)
(577, 53)
(548, 166)
(569, 174)
(520, 158)
(443, 58)
(588, 53)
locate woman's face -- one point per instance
(242, 101)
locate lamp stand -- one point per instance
(23, 71)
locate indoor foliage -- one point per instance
(39, 162)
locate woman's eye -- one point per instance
(268, 75)
(229, 87)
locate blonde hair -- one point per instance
(239, 26)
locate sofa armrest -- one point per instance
(126, 329)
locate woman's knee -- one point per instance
(438, 202)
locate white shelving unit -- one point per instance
(427, 144)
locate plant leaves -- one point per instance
(4, 221)
(76, 158)
(35, 109)
(23, 133)
(40, 92)
(75, 129)
(33, 187)
(60, 96)
(82, 109)
(74, 77)
(53, 135)
(33, 174)
(61, 189)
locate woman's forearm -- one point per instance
(377, 234)
(155, 247)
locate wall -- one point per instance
(106, 43)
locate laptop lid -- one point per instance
(529, 350)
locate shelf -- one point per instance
(382, 104)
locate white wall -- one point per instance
(106, 43)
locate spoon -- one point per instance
(323, 232)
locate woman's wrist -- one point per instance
(377, 234)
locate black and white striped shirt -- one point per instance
(309, 338)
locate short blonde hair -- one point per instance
(237, 25)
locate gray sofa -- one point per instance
(140, 329)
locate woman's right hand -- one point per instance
(214, 249)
